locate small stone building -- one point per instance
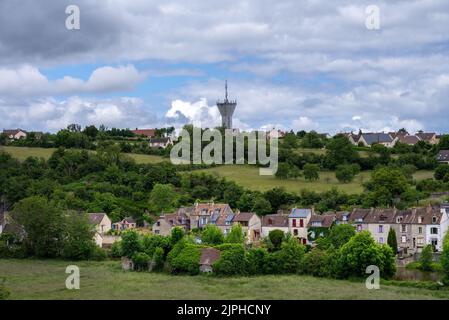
(208, 257)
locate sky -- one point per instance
(301, 65)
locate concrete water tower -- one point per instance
(226, 108)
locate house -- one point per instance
(368, 139)
(251, 225)
(125, 224)
(167, 222)
(378, 222)
(102, 225)
(319, 226)
(208, 257)
(430, 137)
(398, 134)
(443, 156)
(325, 135)
(272, 222)
(160, 143)
(357, 218)
(148, 133)
(275, 134)
(410, 228)
(15, 134)
(201, 213)
(223, 222)
(434, 232)
(342, 217)
(409, 140)
(297, 223)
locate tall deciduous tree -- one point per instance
(392, 241)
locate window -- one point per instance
(399, 219)
(345, 218)
(419, 219)
(203, 220)
(381, 240)
(434, 219)
(403, 239)
(403, 228)
(294, 222)
(381, 228)
(301, 223)
(359, 227)
(420, 230)
(295, 232)
(156, 231)
(158, 223)
(433, 230)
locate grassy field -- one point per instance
(45, 279)
(22, 153)
(248, 176)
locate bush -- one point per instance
(276, 238)
(187, 260)
(151, 242)
(256, 259)
(235, 235)
(426, 258)
(290, 256)
(176, 234)
(116, 250)
(231, 262)
(445, 258)
(389, 262)
(212, 235)
(140, 260)
(130, 243)
(315, 263)
(158, 259)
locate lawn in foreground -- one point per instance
(45, 279)
(22, 153)
(248, 176)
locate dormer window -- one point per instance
(419, 219)
(399, 219)
(434, 219)
(345, 218)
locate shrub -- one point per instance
(256, 259)
(151, 242)
(426, 258)
(231, 262)
(176, 234)
(140, 260)
(98, 254)
(389, 261)
(130, 243)
(276, 238)
(187, 260)
(360, 252)
(289, 257)
(116, 250)
(315, 263)
(235, 235)
(392, 240)
(212, 235)
(445, 258)
(158, 259)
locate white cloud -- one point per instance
(304, 123)
(29, 81)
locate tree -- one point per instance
(212, 235)
(43, 223)
(91, 131)
(339, 150)
(345, 173)
(386, 185)
(311, 171)
(276, 238)
(78, 241)
(177, 233)
(162, 198)
(443, 144)
(130, 243)
(262, 206)
(445, 258)
(441, 172)
(312, 140)
(426, 258)
(340, 234)
(283, 170)
(235, 235)
(74, 127)
(392, 241)
(290, 141)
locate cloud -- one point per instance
(29, 81)
(52, 114)
(304, 123)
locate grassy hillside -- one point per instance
(248, 176)
(45, 279)
(22, 153)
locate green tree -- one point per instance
(158, 259)
(177, 233)
(386, 185)
(212, 235)
(78, 240)
(235, 235)
(339, 150)
(441, 172)
(445, 258)
(162, 198)
(311, 171)
(262, 206)
(392, 241)
(345, 173)
(130, 243)
(339, 234)
(283, 170)
(426, 258)
(276, 238)
(43, 223)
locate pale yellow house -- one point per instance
(251, 225)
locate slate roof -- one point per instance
(326, 220)
(381, 137)
(380, 216)
(209, 256)
(443, 155)
(95, 218)
(244, 216)
(160, 140)
(410, 140)
(300, 213)
(275, 220)
(426, 136)
(358, 213)
(210, 208)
